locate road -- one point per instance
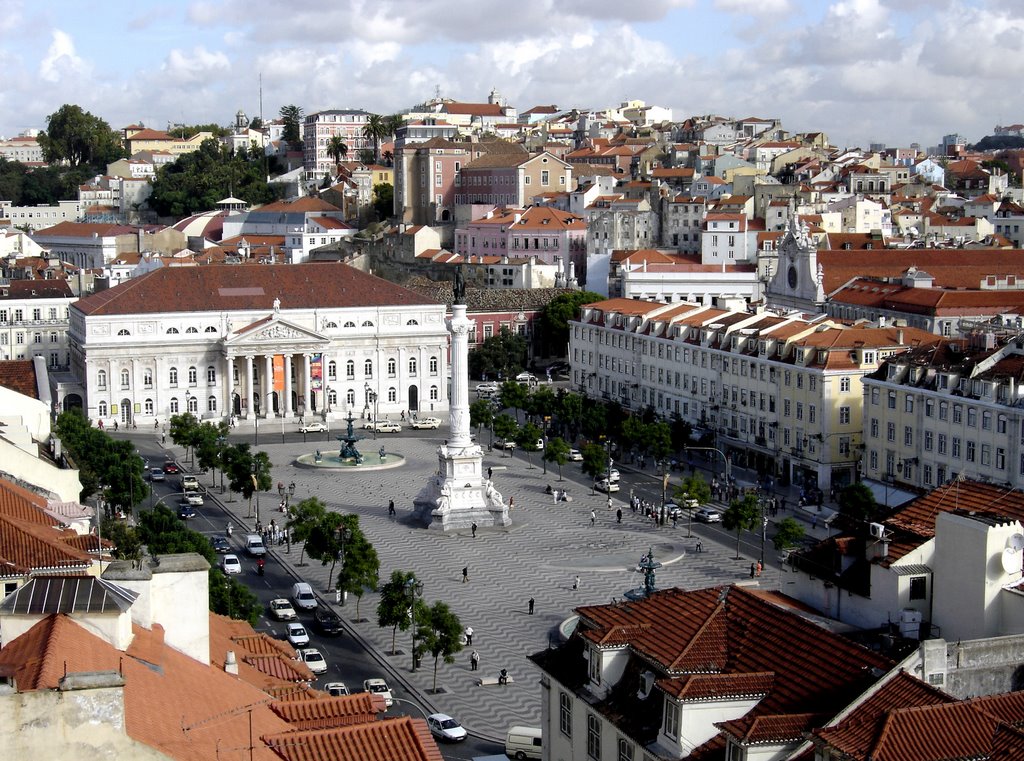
(348, 660)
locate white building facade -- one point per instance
(235, 342)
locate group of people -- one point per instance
(273, 533)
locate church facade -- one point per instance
(240, 342)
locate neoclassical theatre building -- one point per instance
(244, 341)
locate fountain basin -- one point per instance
(331, 461)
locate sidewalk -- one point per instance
(539, 556)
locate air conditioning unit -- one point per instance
(646, 685)
(877, 530)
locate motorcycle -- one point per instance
(259, 566)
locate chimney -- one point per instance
(230, 664)
(899, 336)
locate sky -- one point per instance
(862, 71)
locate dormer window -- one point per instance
(595, 665)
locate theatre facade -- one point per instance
(241, 342)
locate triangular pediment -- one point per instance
(271, 331)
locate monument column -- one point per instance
(249, 390)
(459, 326)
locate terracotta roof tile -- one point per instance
(327, 712)
(398, 739)
(19, 375)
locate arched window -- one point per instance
(192, 330)
(173, 376)
(147, 406)
(193, 376)
(172, 331)
(332, 370)
(193, 404)
(350, 397)
(210, 329)
(126, 378)
(350, 369)
(147, 377)
(330, 326)
(101, 379)
(101, 409)
(332, 397)
(433, 393)
(392, 367)
(412, 322)
(368, 368)
(124, 332)
(350, 324)
(392, 395)
(211, 374)
(211, 404)
(412, 366)
(174, 405)
(433, 365)
(367, 324)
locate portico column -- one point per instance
(307, 381)
(268, 387)
(249, 390)
(287, 385)
(229, 387)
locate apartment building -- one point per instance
(318, 129)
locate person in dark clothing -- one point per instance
(531, 604)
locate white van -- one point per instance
(523, 742)
(254, 545)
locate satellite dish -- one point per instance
(1012, 560)
(1016, 542)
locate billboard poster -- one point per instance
(316, 372)
(279, 372)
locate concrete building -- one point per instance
(34, 218)
(34, 321)
(248, 342)
(318, 129)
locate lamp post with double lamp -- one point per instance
(188, 410)
(415, 589)
(371, 398)
(256, 487)
(285, 494)
(256, 421)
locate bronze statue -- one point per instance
(459, 289)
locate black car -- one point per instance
(220, 544)
(327, 621)
(185, 510)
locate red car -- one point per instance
(171, 468)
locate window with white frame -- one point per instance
(101, 380)
(433, 365)
(672, 718)
(193, 376)
(173, 406)
(211, 403)
(392, 368)
(412, 366)
(593, 737)
(125, 379)
(211, 375)
(368, 368)
(433, 393)
(565, 713)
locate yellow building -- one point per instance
(155, 140)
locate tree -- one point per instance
(303, 518)
(505, 427)
(741, 515)
(570, 412)
(441, 635)
(255, 123)
(292, 134)
(857, 505)
(126, 540)
(659, 440)
(542, 402)
(694, 487)
(360, 566)
(557, 451)
(634, 433)
(77, 137)
(556, 315)
(383, 200)
(190, 130)
(529, 435)
(393, 609)
(595, 460)
(514, 396)
(184, 430)
(337, 149)
(375, 130)
(210, 441)
(103, 462)
(788, 533)
(498, 354)
(481, 413)
(324, 541)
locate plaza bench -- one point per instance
(490, 681)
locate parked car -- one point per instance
(230, 564)
(444, 727)
(157, 474)
(575, 455)
(613, 477)
(314, 659)
(387, 426)
(380, 687)
(282, 610)
(316, 425)
(707, 515)
(303, 597)
(220, 544)
(327, 621)
(487, 388)
(336, 689)
(171, 468)
(185, 510)
(425, 422)
(297, 635)
(606, 486)
(673, 510)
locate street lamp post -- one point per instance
(371, 398)
(415, 589)
(256, 487)
(256, 421)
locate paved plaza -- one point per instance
(539, 556)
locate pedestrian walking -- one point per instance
(675, 520)
(391, 508)
(511, 503)
(753, 570)
(489, 471)
(576, 582)
(700, 546)
(474, 661)
(814, 521)
(760, 567)
(473, 528)
(531, 604)
(593, 517)
(465, 574)
(163, 438)
(618, 515)
(469, 635)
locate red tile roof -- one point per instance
(84, 230)
(232, 287)
(20, 375)
(304, 204)
(398, 739)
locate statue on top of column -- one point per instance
(459, 288)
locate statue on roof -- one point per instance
(459, 287)
(277, 306)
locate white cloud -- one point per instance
(754, 7)
(61, 61)
(194, 67)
